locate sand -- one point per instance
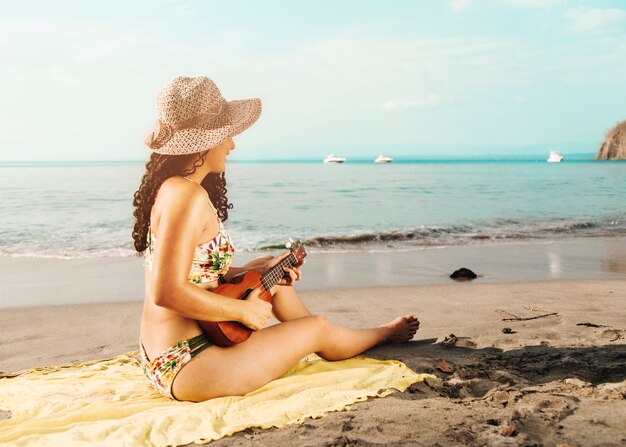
(551, 381)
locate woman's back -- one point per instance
(162, 327)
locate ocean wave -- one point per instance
(246, 241)
(69, 253)
(501, 231)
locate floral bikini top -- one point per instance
(211, 259)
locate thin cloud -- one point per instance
(427, 102)
(543, 4)
(459, 6)
(594, 20)
(414, 61)
(591, 64)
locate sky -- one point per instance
(414, 78)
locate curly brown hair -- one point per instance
(158, 169)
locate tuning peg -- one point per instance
(289, 244)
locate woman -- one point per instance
(179, 209)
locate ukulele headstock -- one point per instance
(297, 250)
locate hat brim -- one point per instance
(237, 116)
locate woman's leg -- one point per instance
(287, 305)
(270, 352)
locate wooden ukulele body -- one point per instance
(228, 333)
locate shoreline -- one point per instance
(28, 282)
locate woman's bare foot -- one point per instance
(402, 329)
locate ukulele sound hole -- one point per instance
(245, 295)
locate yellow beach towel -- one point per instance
(109, 403)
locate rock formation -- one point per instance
(614, 145)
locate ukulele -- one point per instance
(228, 333)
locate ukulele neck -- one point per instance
(273, 275)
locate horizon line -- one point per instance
(511, 157)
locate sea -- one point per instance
(70, 210)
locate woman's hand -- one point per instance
(291, 274)
(257, 313)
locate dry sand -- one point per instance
(549, 382)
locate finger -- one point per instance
(254, 294)
(285, 279)
(294, 275)
(282, 280)
(298, 273)
(291, 278)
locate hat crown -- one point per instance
(186, 98)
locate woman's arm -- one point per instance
(179, 228)
(263, 264)
(256, 264)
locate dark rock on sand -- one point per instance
(463, 274)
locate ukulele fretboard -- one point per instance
(274, 275)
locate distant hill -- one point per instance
(614, 145)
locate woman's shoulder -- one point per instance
(177, 193)
(173, 187)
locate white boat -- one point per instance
(383, 159)
(555, 157)
(332, 158)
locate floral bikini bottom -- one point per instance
(162, 370)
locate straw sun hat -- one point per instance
(193, 117)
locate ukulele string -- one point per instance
(273, 274)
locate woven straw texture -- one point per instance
(193, 117)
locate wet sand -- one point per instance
(41, 282)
